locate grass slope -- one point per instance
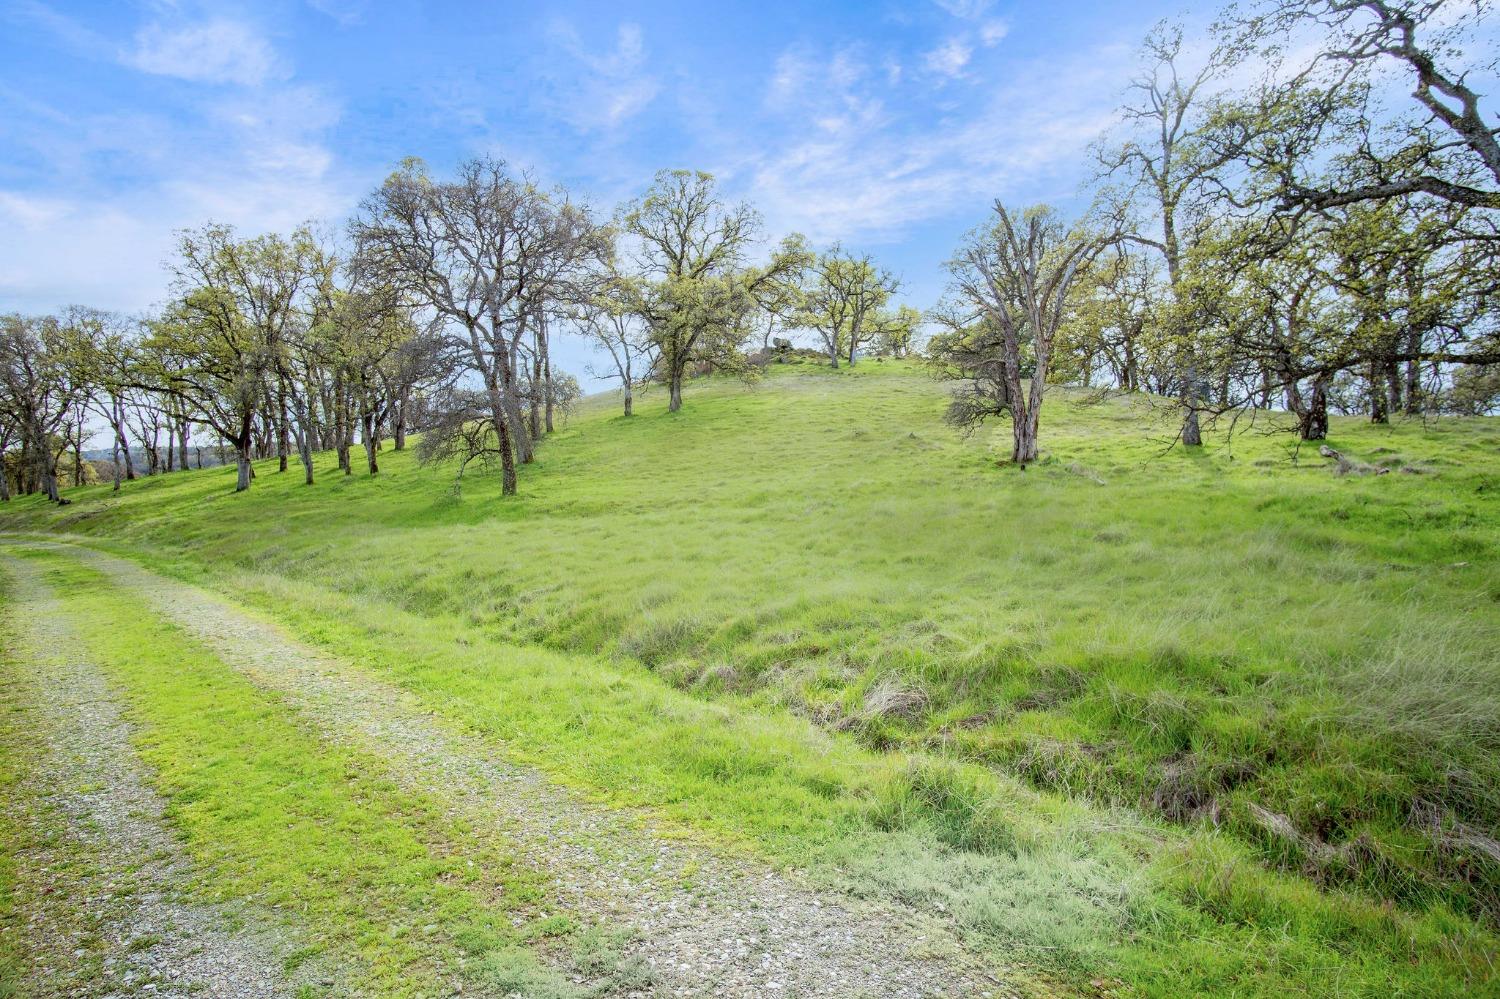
(1283, 670)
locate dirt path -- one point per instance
(706, 926)
(101, 875)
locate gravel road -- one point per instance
(103, 873)
(701, 924)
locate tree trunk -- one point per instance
(507, 446)
(521, 438)
(535, 414)
(1313, 425)
(1192, 433)
(46, 465)
(1379, 409)
(305, 431)
(1024, 427)
(547, 393)
(1025, 410)
(674, 386)
(1413, 377)
(25, 473)
(283, 436)
(242, 461)
(123, 441)
(78, 454)
(242, 453)
(629, 401)
(346, 439)
(505, 392)
(369, 435)
(1392, 387)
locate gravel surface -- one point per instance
(703, 924)
(102, 878)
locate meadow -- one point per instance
(1150, 720)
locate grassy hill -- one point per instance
(1152, 719)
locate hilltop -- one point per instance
(1169, 719)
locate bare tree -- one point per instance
(605, 318)
(108, 349)
(1012, 280)
(7, 435)
(472, 250)
(1445, 146)
(1172, 168)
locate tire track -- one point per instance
(703, 924)
(103, 878)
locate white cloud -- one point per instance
(219, 51)
(345, 12)
(281, 131)
(64, 252)
(966, 9)
(790, 78)
(949, 58)
(992, 32)
(30, 213)
(828, 92)
(93, 220)
(613, 87)
(107, 249)
(903, 165)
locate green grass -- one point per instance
(374, 879)
(1212, 720)
(17, 755)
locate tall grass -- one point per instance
(1233, 640)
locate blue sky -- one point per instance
(889, 126)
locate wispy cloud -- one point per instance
(949, 58)
(966, 9)
(828, 91)
(603, 90)
(94, 194)
(346, 12)
(218, 51)
(901, 165)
